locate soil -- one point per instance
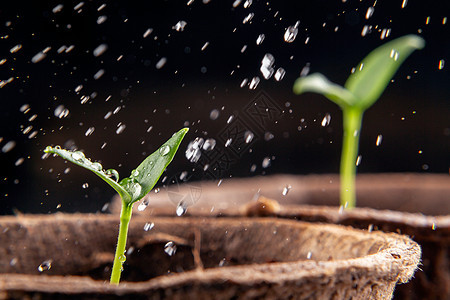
(224, 258)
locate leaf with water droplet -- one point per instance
(148, 172)
(78, 158)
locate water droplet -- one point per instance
(61, 111)
(181, 209)
(259, 40)
(57, 8)
(286, 189)
(143, 205)
(291, 33)
(433, 226)
(113, 174)
(326, 120)
(379, 139)
(244, 82)
(214, 114)
(8, 146)
(253, 168)
(85, 185)
(247, 3)
(279, 74)
(204, 46)
(134, 188)
(101, 19)
(370, 228)
(89, 131)
(134, 173)
(254, 83)
(248, 18)
(228, 142)
(38, 56)
(441, 64)
(149, 226)
(15, 48)
(164, 150)
(266, 162)
(99, 74)
(358, 160)
(78, 156)
(120, 129)
(308, 256)
(180, 25)
(19, 161)
(147, 32)
(268, 136)
(161, 63)
(209, 144)
(170, 248)
(122, 258)
(243, 48)
(369, 12)
(100, 50)
(394, 54)
(248, 136)
(230, 118)
(404, 3)
(45, 265)
(193, 150)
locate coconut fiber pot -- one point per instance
(417, 205)
(69, 257)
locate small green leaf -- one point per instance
(376, 70)
(78, 158)
(145, 176)
(320, 84)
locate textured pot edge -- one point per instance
(400, 249)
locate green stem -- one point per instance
(119, 258)
(352, 128)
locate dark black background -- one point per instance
(412, 114)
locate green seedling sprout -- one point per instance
(130, 189)
(362, 89)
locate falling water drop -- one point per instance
(248, 136)
(326, 120)
(259, 40)
(170, 248)
(248, 18)
(45, 265)
(181, 209)
(209, 144)
(149, 226)
(143, 205)
(100, 50)
(180, 25)
(286, 189)
(379, 139)
(279, 74)
(254, 83)
(291, 33)
(161, 63)
(266, 162)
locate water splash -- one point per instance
(291, 33)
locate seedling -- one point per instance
(130, 189)
(363, 87)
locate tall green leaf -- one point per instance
(141, 180)
(145, 176)
(375, 72)
(78, 158)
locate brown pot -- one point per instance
(417, 205)
(228, 258)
